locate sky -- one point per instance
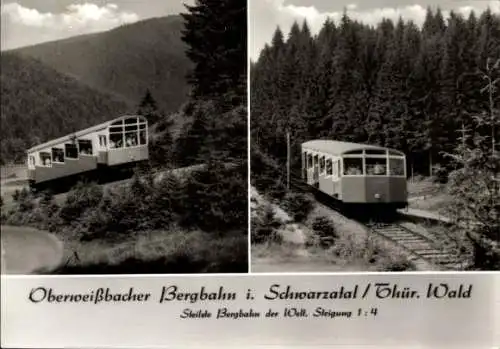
(266, 15)
(28, 22)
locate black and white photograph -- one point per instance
(124, 137)
(375, 131)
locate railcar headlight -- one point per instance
(377, 196)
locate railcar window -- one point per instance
(376, 166)
(130, 132)
(322, 164)
(353, 166)
(315, 160)
(354, 152)
(57, 155)
(129, 128)
(116, 129)
(142, 137)
(102, 141)
(116, 140)
(396, 167)
(375, 152)
(309, 161)
(32, 160)
(131, 121)
(85, 146)
(45, 158)
(329, 167)
(131, 139)
(71, 151)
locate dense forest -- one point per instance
(39, 103)
(398, 85)
(216, 36)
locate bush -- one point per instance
(24, 199)
(346, 248)
(265, 226)
(324, 232)
(214, 199)
(277, 190)
(324, 227)
(80, 199)
(299, 206)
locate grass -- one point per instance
(173, 251)
(426, 195)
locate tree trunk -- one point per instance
(430, 162)
(411, 170)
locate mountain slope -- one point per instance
(39, 103)
(127, 60)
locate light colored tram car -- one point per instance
(121, 142)
(356, 173)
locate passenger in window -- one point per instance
(353, 170)
(130, 141)
(47, 162)
(379, 169)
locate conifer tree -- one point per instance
(149, 109)
(475, 185)
(215, 32)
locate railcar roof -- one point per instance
(337, 147)
(80, 133)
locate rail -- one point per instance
(416, 244)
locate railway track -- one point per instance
(418, 246)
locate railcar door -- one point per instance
(315, 175)
(310, 169)
(304, 166)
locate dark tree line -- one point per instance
(215, 33)
(395, 85)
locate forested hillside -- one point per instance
(39, 103)
(126, 61)
(395, 85)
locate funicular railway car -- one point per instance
(101, 153)
(356, 175)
